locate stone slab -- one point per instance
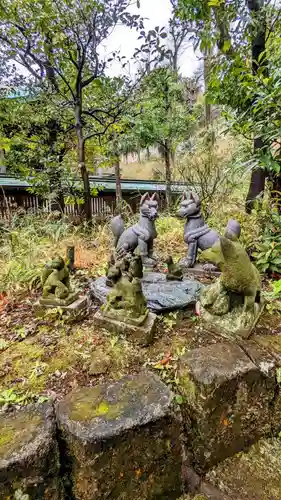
(48, 301)
(29, 456)
(162, 295)
(227, 401)
(198, 271)
(75, 310)
(255, 475)
(122, 440)
(142, 335)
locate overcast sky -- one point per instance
(157, 13)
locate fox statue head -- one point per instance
(189, 206)
(149, 206)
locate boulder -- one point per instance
(29, 456)
(227, 401)
(122, 440)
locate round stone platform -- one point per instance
(162, 295)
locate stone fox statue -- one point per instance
(197, 234)
(141, 234)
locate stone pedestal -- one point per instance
(29, 456)
(122, 440)
(228, 401)
(74, 310)
(140, 334)
(229, 325)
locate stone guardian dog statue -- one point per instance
(141, 234)
(197, 234)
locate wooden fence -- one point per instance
(103, 205)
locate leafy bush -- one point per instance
(267, 252)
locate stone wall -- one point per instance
(129, 440)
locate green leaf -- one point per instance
(179, 399)
(226, 46)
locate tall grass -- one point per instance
(30, 241)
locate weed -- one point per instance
(169, 321)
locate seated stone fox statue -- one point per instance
(141, 234)
(55, 279)
(197, 234)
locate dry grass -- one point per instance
(153, 169)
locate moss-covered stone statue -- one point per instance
(125, 310)
(56, 284)
(174, 271)
(125, 301)
(233, 303)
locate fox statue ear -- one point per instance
(112, 259)
(154, 197)
(184, 196)
(144, 198)
(195, 198)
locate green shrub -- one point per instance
(267, 250)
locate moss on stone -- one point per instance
(187, 387)
(23, 359)
(17, 431)
(89, 403)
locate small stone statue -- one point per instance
(136, 267)
(130, 266)
(126, 302)
(113, 271)
(233, 303)
(197, 234)
(174, 270)
(141, 234)
(55, 283)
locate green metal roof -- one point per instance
(105, 184)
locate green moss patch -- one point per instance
(88, 403)
(17, 431)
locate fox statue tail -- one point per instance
(233, 230)
(117, 227)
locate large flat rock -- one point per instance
(162, 295)
(255, 475)
(29, 457)
(228, 401)
(122, 440)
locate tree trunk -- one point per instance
(86, 182)
(168, 174)
(81, 160)
(118, 185)
(258, 176)
(57, 203)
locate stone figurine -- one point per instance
(197, 234)
(174, 270)
(233, 302)
(56, 283)
(140, 235)
(130, 266)
(126, 302)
